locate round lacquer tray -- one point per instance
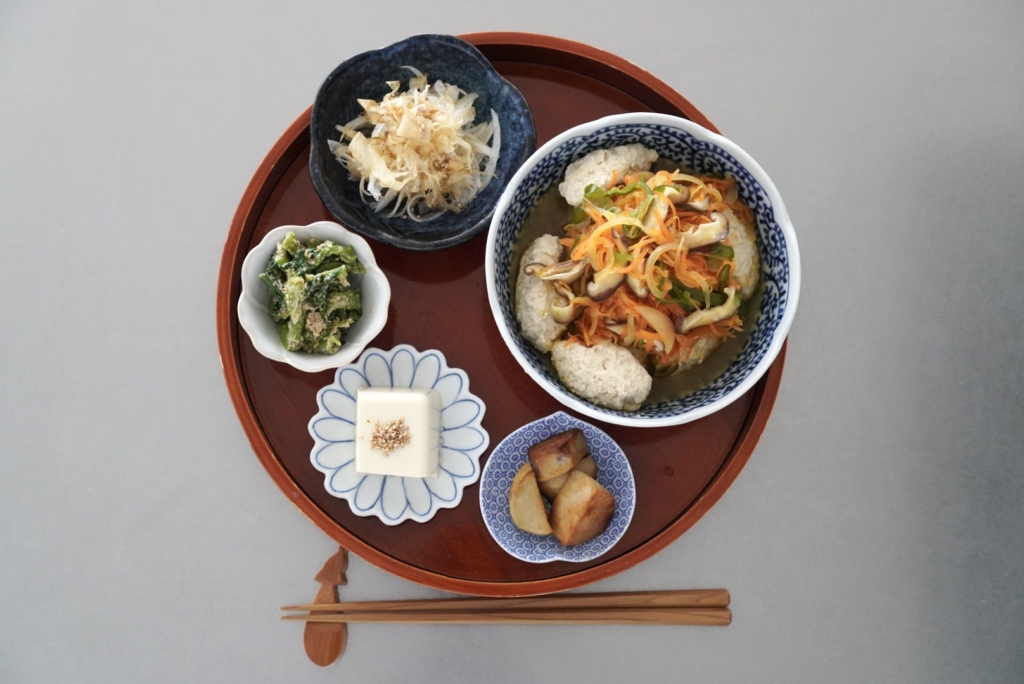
(439, 301)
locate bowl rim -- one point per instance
(317, 157)
(583, 425)
(248, 305)
(781, 216)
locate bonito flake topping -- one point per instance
(419, 151)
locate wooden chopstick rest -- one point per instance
(324, 641)
(326, 630)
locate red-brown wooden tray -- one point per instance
(439, 300)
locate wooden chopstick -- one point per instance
(692, 598)
(587, 616)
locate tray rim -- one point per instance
(268, 174)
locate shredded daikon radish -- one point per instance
(419, 150)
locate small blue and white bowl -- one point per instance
(391, 498)
(693, 148)
(440, 57)
(613, 473)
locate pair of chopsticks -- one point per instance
(680, 607)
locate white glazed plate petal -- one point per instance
(613, 472)
(395, 499)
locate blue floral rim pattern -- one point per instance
(396, 499)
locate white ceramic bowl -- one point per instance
(694, 148)
(262, 330)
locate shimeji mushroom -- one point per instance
(712, 315)
(637, 285)
(605, 282)
(565, 271)
(700, 204)
(658, 210)
(564, 309)
(678, 195)
(707, 233)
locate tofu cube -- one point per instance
(398, 431)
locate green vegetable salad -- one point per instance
(311, 297)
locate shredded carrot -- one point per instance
(657, 258)
(593, 213)
(727, 328)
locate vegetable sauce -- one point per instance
(549, 215)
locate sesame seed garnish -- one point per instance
(389, 436)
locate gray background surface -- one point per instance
(874, 536)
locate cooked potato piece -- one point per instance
(582, 510)
(558, 454)
(588, 466)
(549, 488)
(525, 504)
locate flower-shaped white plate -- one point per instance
(391, 498)
(613, 472)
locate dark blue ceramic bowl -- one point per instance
(439, 57)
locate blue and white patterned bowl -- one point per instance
(451, 60)
(396, 499)
(613, 472)
(695, 148)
